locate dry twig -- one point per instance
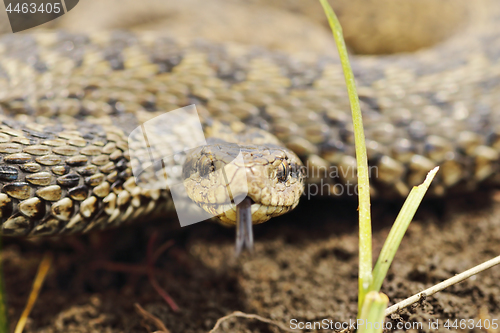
(440, 286)
(250, 316)
(152, 318)
(43, 269)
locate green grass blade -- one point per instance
(4, 325)
(371, 319)
(365, 229)
(398, 230)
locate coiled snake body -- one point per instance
(69, 101)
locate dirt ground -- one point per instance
(304, 268)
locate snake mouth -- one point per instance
(244, 226)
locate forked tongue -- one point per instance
(244, 231)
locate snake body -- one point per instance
(69, 101)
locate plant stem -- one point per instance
(365, 229)
(4, 325)
(372, 317)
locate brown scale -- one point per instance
(74, 176)
(58, 184)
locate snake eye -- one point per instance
(283, 171)
(205, 167)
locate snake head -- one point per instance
(244, 184)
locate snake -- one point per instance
(70, 103)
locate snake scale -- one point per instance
(69, 101)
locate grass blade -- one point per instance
(398, 230)
(365, 229)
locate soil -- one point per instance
(304, 267)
